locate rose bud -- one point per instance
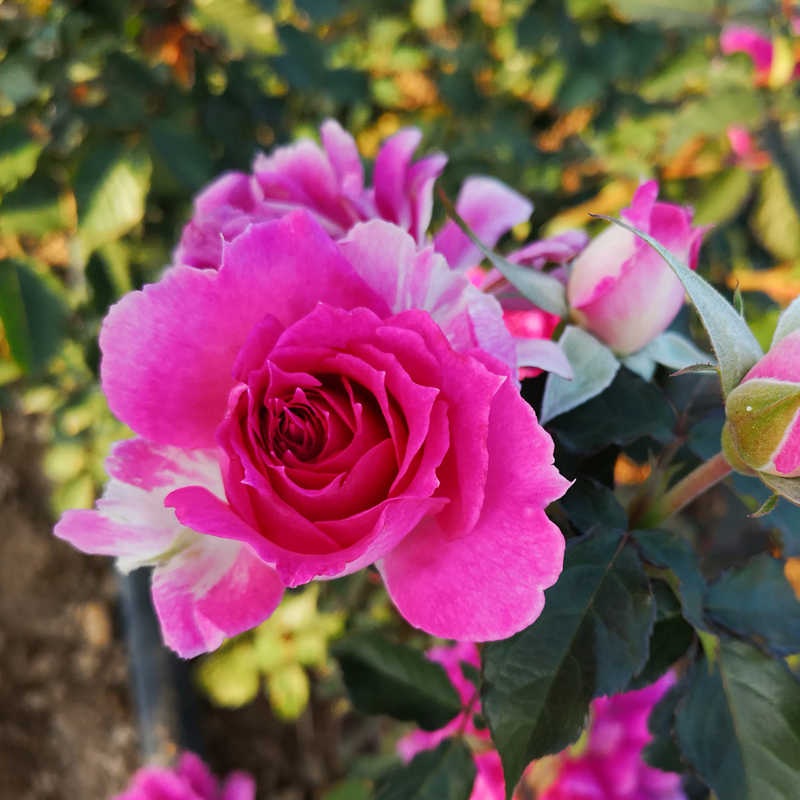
(614, 279)
(763, 428)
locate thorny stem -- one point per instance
(708, 474)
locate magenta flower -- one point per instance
(359, 401)
(738, 38)
(489, 783)
(610, 766)
(614, 276)
(328, 182)
(762, 411)
(190, 780)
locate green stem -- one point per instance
(708, 474)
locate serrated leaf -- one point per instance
(111, 185)
(588, 502)
(758, 601)
(739, 725)
(593, 368)
(590, 639)
(734, 344)
(626, 411)
(668, 550)
(387, 678)
(446, 773)
(672, 635)
(541, 289)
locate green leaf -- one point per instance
(667, 13)
(626, 411)
(788, 321)
(111, 185)
(446, 773)
(667, 550)
(775, 221)
(387, 678)
(672, 635)
(758, 601)
(723, 196)
(18, 155)
(33, 317)
(541, 289)
(734, 344)
(35, 207)
(590, 640)
(588, 502)
(662, 752)
(593, 368)
(182, 153)
(739, 725)
(676, 352)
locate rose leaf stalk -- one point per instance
(699, 480)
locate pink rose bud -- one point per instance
(615, 280)
(762, 412)
(746, 39)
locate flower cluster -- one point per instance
(189, 780)
(607, 763)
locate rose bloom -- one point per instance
(610, 766)
(739, 38)
(313, 407)
(190, 780)
(328, 182)
(613, 279)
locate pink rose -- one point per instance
(190, 780)
(359, 399)
(610, 767)
(762, 411)
(737, 38)
(328, 182)
(613, 279)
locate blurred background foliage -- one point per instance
(113, 113)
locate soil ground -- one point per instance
(67, 730)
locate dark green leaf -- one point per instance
(387, 678)
(590, 639)
(33, 317)
(759, 602)
(739, 725)
(446, 773)
(588, 502)
(662, 752)
(182, 153)
(670, 639)
(668, 550)
(35, 207)
(18, 154)
(629, 409)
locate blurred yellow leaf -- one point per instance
(288, 691)
(610, 200)
(428, 13)
(775, 221)
(230, 677)
(783, 61)
(792, 571)
(781, 283)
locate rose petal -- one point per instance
(489, 584)
(169, 349)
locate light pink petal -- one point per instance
(407, 278)
(213, 589)
(169, 349)
(421, 177)
(781, 363)
(343, 155)
(489, 584)
(736, 38)
(391, 177)
(555, 250)
(741, 141)
(490, 209)
(131, 522)
(640, 212)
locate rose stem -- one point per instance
(708, 474)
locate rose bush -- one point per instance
(189, 780)
(612, 275)
(359, 399)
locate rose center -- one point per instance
(298, 431)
